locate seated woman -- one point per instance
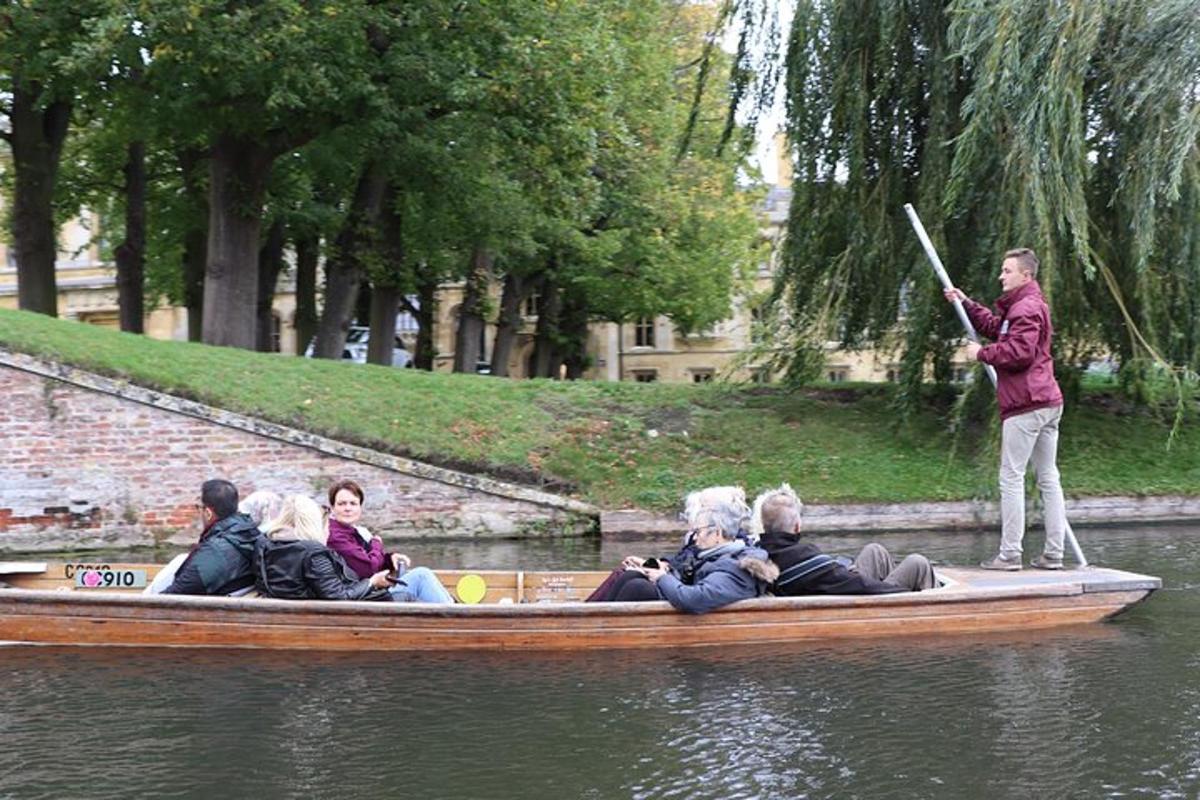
(292, 562)
(261, 506)
(364, 553)
(726, 568)
(628, 583)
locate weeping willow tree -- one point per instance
(1072, 127)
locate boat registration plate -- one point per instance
(110, 579)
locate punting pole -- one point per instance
(971, 334)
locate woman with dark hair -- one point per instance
(364, 553)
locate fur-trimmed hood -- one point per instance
(755, 562)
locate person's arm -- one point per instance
(1018, 349)
(187, 579)
(716, 589)
(986, 323)
(328, 583)
(364, 562)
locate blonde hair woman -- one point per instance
(292, 561)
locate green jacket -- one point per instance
(220, 564)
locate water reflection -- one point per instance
(1107, 710)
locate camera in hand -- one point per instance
(651, 563)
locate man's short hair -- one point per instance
(778, 510)
(1027, 260)
(220, 497)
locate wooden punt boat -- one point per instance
(49, 604)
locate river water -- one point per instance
(1107, 710)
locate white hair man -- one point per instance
(804, 569)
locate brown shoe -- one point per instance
(1046, 562)
(1002, 563)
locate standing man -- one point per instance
(220, 561)
(1030, 405)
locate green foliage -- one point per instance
(834, 445)
(1072, 128)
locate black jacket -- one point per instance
(303, 570)
(804, 569)
(220, 564)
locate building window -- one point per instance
(837, 375)
(893, 375)
(702, 376)
(961, 374)
(645, 375)
(532, 306)
(276, 331)
(760, 375)
(643, 332)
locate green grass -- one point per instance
(594, 440)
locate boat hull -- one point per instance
(973, 602)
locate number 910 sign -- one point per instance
(110, 579)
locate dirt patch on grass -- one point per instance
(669, 420)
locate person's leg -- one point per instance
(1045, 456)
(423, 586)
(874, 562)
(914, 573)
(637, 588)
(1017, 437)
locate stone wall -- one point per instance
(89, 462)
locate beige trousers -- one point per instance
(1032, 436)
(913, 573)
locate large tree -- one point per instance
(1071, 128)
(38, 87)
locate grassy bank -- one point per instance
(628, 444)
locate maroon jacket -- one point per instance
(1021, 353)
(363, 558)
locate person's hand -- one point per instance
(654, 573)
(954, 293)
(632, 562)
(380, 580)
(973, 349)
(398, 559)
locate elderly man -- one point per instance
(220, 561)
(804, 569)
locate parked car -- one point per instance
(357, 339)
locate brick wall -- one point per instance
(81, 467)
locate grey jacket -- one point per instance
(721, 579)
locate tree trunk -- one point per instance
(467, 351)
(385, 302)
(195, 241)
(131, 253)
(516, 289)
(36, 138)
(307, 254)
(270, 263)
(425, 312)
(545, 347)
(343, 269)
(573, 330)
(238, 170)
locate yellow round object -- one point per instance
(471, 589)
